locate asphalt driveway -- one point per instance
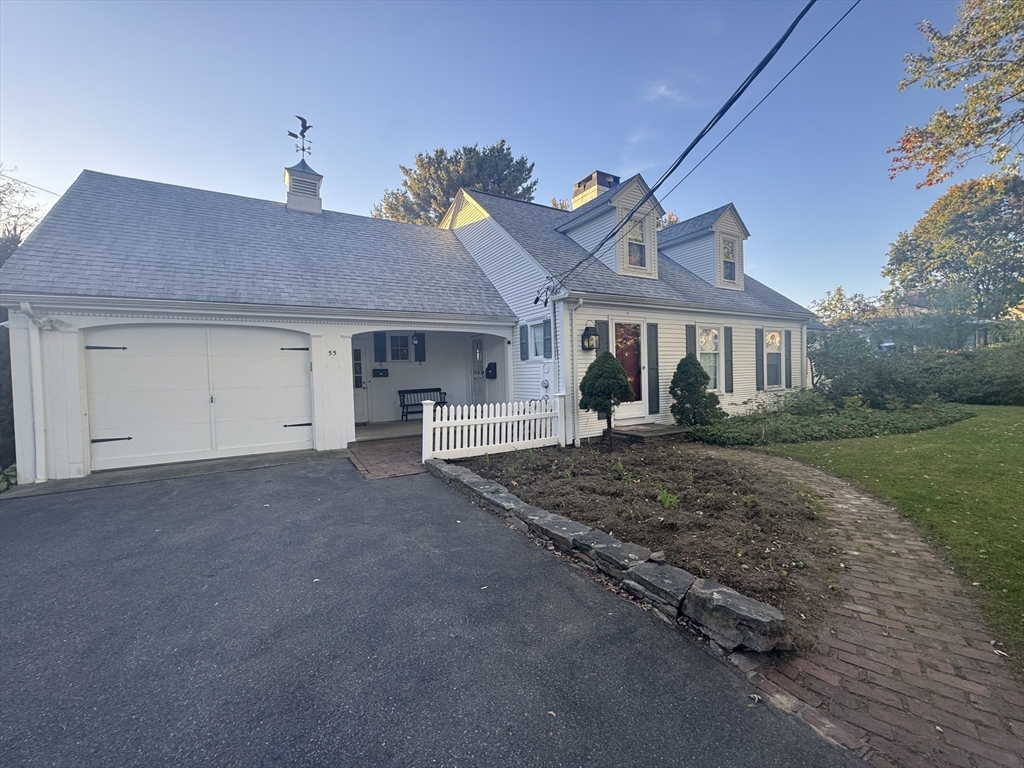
(302, 616)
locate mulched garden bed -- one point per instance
(745, 527)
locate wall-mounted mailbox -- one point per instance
(492, 371)
(380, 373)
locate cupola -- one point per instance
(303, 188)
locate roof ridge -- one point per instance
(513, 200)
(232, 195)
(668, 230)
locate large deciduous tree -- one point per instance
(839, 307)
(18, 214)
(983, 55)
(970, 242)
(432, 183)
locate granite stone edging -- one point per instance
(728, 618)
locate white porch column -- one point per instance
(428, 430)
(21, 378)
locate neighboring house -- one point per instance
(152, 323)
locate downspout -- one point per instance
(572, 347)
(36, 375)
(559, 374)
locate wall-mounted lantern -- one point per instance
(590, 340)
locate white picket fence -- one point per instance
(459, 431)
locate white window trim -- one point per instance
(650, 246)
(408, 347)
(529, 335)
(737, 260)
(782, 358)
(719, 370)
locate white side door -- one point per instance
(478, 389)
(360, 383)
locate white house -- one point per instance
(152, 323)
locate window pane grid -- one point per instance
(636, 250)
(537, 339)
(399, 347)
(709, 360)
(773, 358)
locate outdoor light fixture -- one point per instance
(590, 340)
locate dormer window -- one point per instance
(637, 253)
(729, 259)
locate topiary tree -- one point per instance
(693, 403)
(603, 387)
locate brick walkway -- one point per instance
(378, 459)
(904, 673)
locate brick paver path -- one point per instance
(388, 458)
(904, 672)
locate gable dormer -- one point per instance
(634, 250)
(710, 246)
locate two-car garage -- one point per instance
(165, 393)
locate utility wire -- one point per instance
(11, 178)
(744, 118)
(707, 128)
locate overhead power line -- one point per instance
(722, 111)
(19, 181)
(762, 101)
(743, 119)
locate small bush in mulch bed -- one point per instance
(782, 425)
(742, 526)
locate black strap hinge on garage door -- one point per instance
(303, 424)
(90, 346)
(295, 349)
(108, 439)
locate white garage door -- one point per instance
(177, 393)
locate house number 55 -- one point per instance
(332, 353)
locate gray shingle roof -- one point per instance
(533, 227)
(587, 208)
(111, 236)
(699, 223)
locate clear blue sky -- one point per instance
(201, 94)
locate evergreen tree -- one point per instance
(429, 188)
(603, 387)
(694, 404)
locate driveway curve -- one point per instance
(302, 616)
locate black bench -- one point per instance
(411, 400)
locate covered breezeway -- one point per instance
(467, 367)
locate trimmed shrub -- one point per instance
(693, 403)
(603, 387)
(780, 427)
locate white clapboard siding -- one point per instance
(460, 431)
(697, 255)
(590, 233)
(672, 348)
(517, 277)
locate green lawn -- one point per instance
(964, 484)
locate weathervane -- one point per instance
(306, 146)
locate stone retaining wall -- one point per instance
(729, 619)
